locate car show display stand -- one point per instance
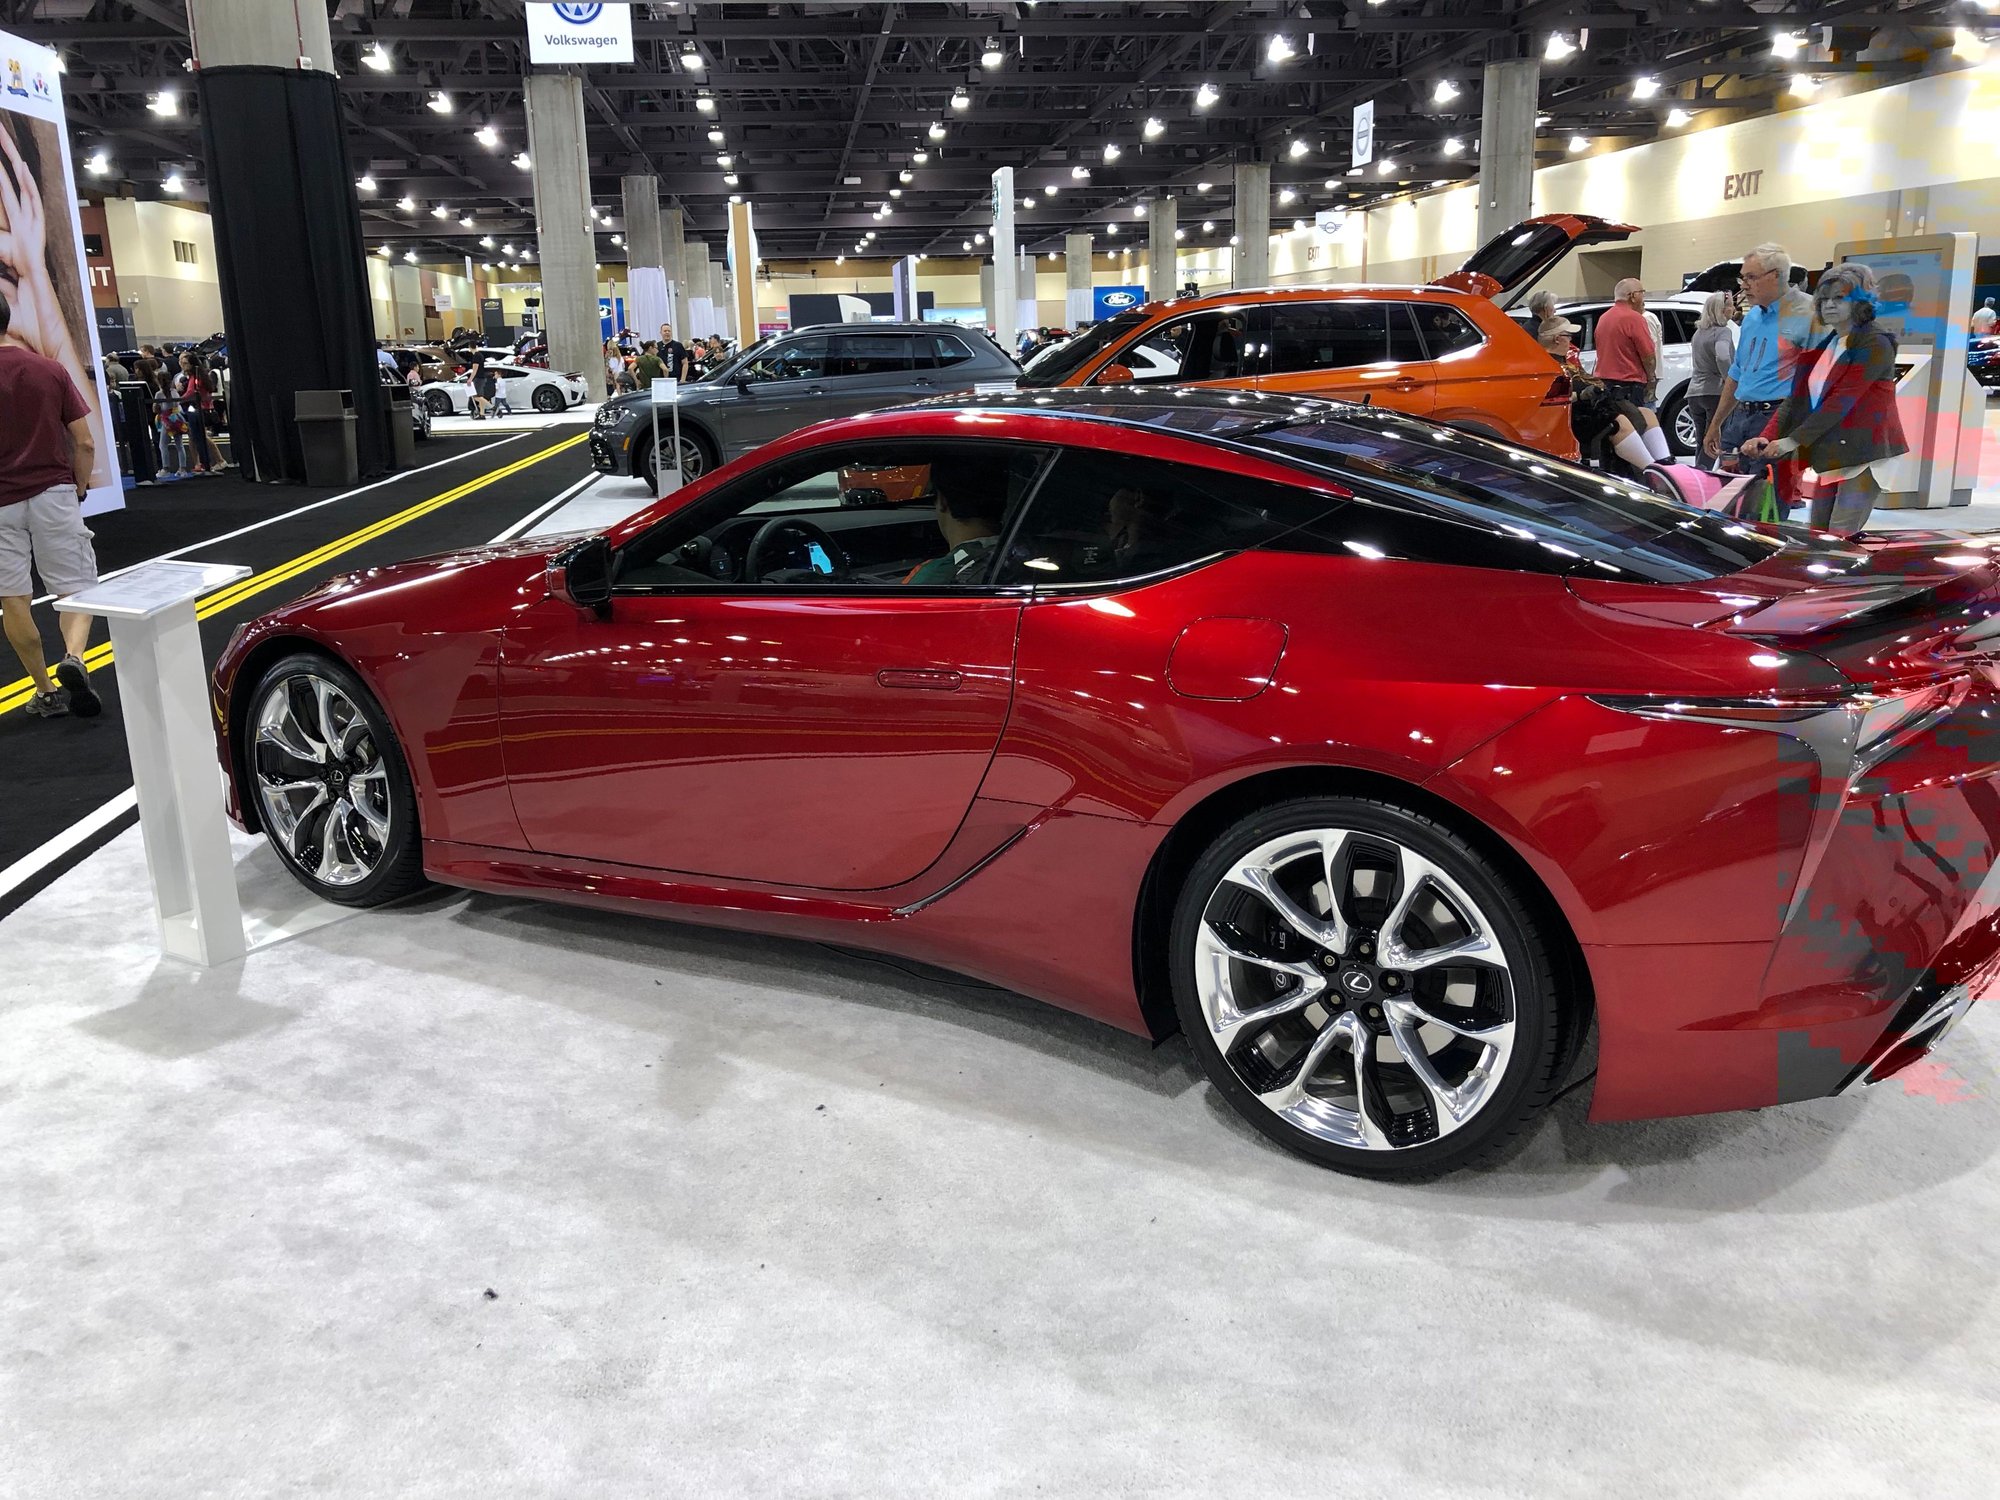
(667, 393)
(163, 692)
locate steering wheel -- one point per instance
(779, 526)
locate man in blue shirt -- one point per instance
(1775, 328)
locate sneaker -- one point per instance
(53, 704)
(75, 678)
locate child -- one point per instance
(171, 424)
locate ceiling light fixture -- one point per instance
(1453, 145)
(1155, 128)
(1278, 50)
(165, 102)
(691, 59)
(1288, 196)
(1677, 118)
(439, 102)
(1112, 151)
(1787, 44)
(895, 192)
(1445, 92)
(705, 103)
(1208, 226)
(440, 212)
(936, 132)
(1385, 166)
(725, 160)
(98, 164)
(407, 204)
(1298, 226)
(1080, 173)
(1645, 88)
(172, 184)
(965, 244)
(378, 58)
(960, 99)
(410, 256)
(486, 242)
(1578, 143)
(1180, 234)
(1206, 95)
(715, 137)
(906, 175)
(1049, 188)
(1559, 49)
(1027, 203)
(1804, 85)
(1202, 187)
(1138, 210)
(487, 136)
(365, 183)
(1297, 148)
(465, 221)
(979, 239)
(729, 179)
(920, 157)
(523, 160)
(840, 260)
(992, 56)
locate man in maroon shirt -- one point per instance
(46, 454)
(1627, 360)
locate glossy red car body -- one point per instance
(1009, 783)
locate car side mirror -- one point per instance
(580, 575)
(742, 385)
(1113, 375)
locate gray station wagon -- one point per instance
(792, 380)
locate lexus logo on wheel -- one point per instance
(579, 15)
(1356, 983)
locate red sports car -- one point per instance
(1379, 759)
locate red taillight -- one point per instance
(1559, 392)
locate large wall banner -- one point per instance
(42, 272)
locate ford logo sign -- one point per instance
(1119, 299)
(579, 15)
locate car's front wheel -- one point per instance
(1678, 418)
(438, 402)
(695, 459)
(331, 788)
(1366, 988)
(549, 399)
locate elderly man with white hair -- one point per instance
(1775, 327)
(1628, 358)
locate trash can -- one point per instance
(326, 437)
(402, 427)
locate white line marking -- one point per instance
(230, 536)
(31, 864)
(535, 515)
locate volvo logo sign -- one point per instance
(1357, 983)
(578, 15)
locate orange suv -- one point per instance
(1444, 351)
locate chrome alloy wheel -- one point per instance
(1687, 432)
(693, 462)
(1355, 989)
(322, 786)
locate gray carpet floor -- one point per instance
(478, 1197)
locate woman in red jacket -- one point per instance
(1841, 415)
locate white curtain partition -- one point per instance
(649, 302)
(702, 321)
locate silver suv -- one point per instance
(792, 380)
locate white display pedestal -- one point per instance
(163, 692)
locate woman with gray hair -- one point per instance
(1542, 307)
(1841, 415)
(1713, 349)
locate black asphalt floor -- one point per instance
(58, 771)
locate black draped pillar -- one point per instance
(293, 266)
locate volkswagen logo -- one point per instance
(1119, 299)
(1357, 983)
(579, 15)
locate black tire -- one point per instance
(420, 424)
(1670, 414)
(396, 868)
(548, 399)
(438, 402)
(1533, 1005)
(698, 458)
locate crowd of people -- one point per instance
(632, 364)
(1784, 383)
(187, 407)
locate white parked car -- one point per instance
(537, 390)
(1678, 314)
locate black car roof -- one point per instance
(1210, 411)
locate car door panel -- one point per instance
(1340, 350)
(792, 738)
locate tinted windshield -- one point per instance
(1053, 366)
(1573, 520)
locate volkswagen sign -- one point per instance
(573, 33)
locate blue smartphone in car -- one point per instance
(816, 555)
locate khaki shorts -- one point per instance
(50, 527)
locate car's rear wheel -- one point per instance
(1366, 988)
(438, 402)
(696, 459)
(331, 788)
(549, 399)
(1678, 418)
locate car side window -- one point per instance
(1446, 330)
(947, 351)
(1213, 345)
(799, 359)
(1326, 336)
(870, 354)
(1102, 517)
(1676, 325)
(873, 514)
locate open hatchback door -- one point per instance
(1509, 264)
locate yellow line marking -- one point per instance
(16, 693)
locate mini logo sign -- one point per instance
(572, 33)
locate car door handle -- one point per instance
(921, 381)
(815, 390)
(1407, 383)
(923, 680)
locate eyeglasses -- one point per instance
(1749, 276)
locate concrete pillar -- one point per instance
(673, 260)
(743, 270)
(987, 288)
(1507, 145)
(1161, 260)
(1250, 260)
(258, 34)
(1078, 302)
(646, 303)
(564, 232)
(1004, 312)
